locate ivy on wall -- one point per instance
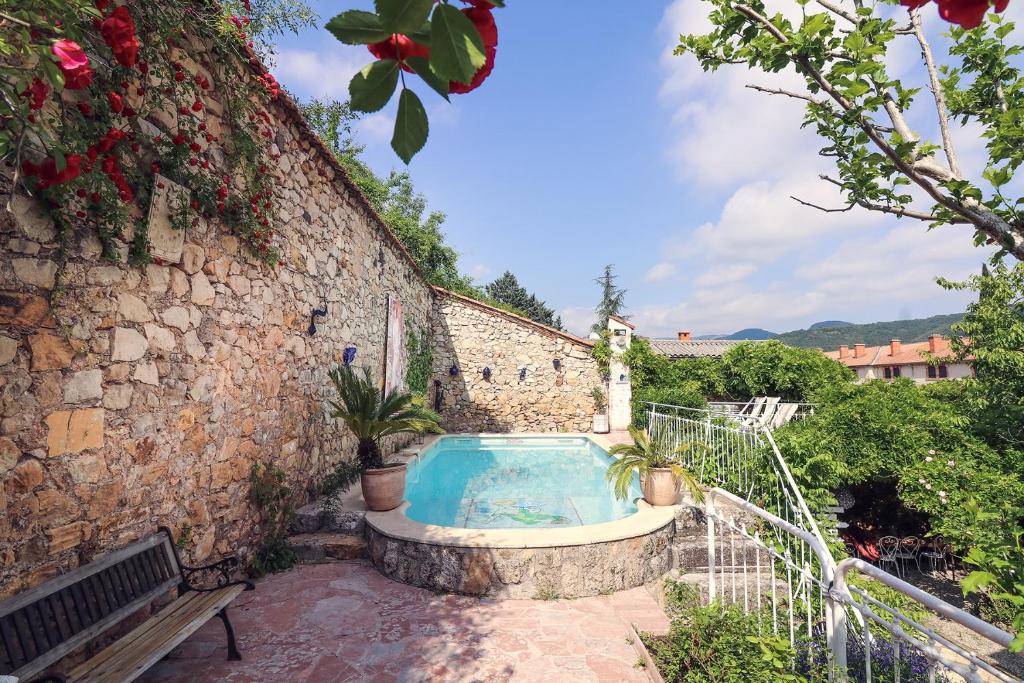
(421, 360)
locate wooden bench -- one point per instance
(42, 625)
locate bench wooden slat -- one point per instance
(140, 631)
(53, 585)
(45, 624)
(174, 619)
(130, 656)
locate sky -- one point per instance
(590, 144)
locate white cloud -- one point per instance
(577, 319)
(377, 127)
(660, 272)
(325, 73)
(723, 275)
(760, 222)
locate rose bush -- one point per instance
(78, 141)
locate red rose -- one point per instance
(478, 78)
(118, 31)
(197, 106)
(968, 13)
(49, 175)
(483, 19)
(399, 47)
(102, 5)
(73, 63)
(84, 108)
(914, 4)
(36, 92)
(116, 103)
(272, 86)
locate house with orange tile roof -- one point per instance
(904, 360)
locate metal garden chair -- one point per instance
(934, 553)
(888, 546)
(909, 549)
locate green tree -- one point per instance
(993, 343)
(770, 368)
(507, 290)
(863, 112)
(613, 299)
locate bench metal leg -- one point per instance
(233, 654)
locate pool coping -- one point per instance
(395, 524)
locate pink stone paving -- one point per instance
(345, 622)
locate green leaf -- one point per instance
(371, 88)
(422, 68)
(411, 126)
(976, 580)
(456, 49)
(403, 16)
(357, 27)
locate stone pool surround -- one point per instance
(523, 563)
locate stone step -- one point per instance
(318, 516)
(324, 547)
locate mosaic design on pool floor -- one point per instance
(512, 513)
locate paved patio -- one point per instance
(345, 622)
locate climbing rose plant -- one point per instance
(451, 49)
(104, 101)
(862, 111)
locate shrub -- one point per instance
(770, 368)
(720, 644)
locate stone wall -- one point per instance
(137, 397)
(471, 336)
(573, 571)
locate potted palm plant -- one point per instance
(658, 463)
(373, 415)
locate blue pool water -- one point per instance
(508, 482)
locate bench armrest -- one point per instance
(222, 569)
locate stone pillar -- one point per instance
(620, 335)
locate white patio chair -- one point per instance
(784, 414)
(753, 417)
(908, 550)
(934, 553)
(888, 546)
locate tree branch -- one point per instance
(984, 219)
(837, 10)
(787, 93)
(871, 206)
(937, 93)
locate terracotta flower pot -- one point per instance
(383, 488)
(660, 487)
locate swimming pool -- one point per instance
(484, 482)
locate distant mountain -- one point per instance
(830, 334)
(871, 334)
(750, 333)
(829, 325)
(754, 333)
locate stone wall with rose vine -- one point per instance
(135, 396)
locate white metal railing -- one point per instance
(837, 630)
(741, 459)
(765, 551)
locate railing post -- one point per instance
(709, 512)
(835, 624)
